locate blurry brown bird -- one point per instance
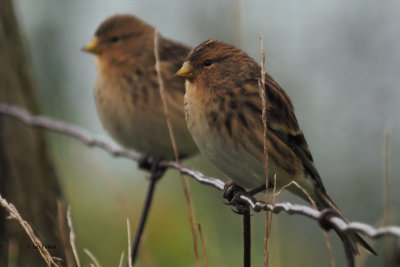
(224, 115)
(127, 91)
(128, 98)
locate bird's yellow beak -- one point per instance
(186, 71)
(92, 47)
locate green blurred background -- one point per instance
(338, 60)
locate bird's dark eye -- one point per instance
(114, 39)
(207, 62)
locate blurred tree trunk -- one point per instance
(27, 176)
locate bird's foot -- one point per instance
(257, 190)
(152, 164)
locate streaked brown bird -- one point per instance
(128, 98)
(127, 91)
(224, 115)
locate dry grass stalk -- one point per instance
(236, 22)
(261, 85)
(61, 218)
(387, 210)
(330, 250)
(72, 237)
(92, 257)
(328, 244)
(121, 260)
(202, 244)
(386, 217)
(386, 182)
(14, 214)
(128, 226)
(271, 200)
(185, 183)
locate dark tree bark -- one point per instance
(27, 176)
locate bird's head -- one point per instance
(215, 62)
(119, 38)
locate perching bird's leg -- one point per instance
(156, 172)
(258, 189)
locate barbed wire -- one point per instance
(327, 218)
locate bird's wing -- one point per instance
(282, 123)
(281, 117)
